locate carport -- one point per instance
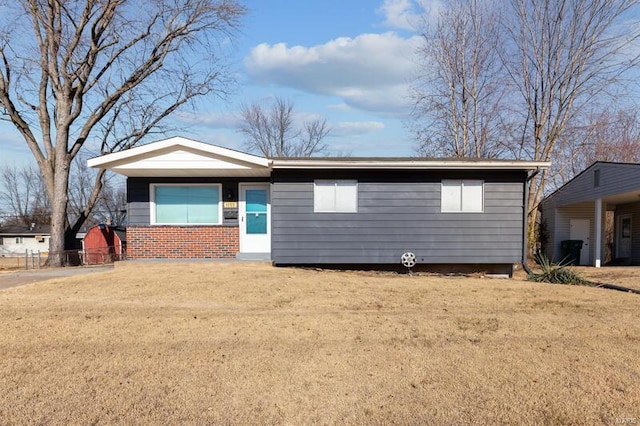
(599, 206)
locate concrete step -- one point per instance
(253, 256)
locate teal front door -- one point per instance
(255, 218)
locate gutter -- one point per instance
(405, 163)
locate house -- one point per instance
(104, 243)
(604, 193)
(188, 199)
(16, 239)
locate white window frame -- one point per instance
(152, 203)
(316, 208)
(461, 182)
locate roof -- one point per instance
(618, 183)
(25, 230)
(120, 231)
(181, 157)
(405, 163)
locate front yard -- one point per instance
(248, 343)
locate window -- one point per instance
(335, 196)
(178, 204)
(462, 196)
(18, 240)
(596, 178)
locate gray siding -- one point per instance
(397, 212)
(138, 212)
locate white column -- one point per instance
(598, 220)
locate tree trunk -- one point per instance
(59, 218)
(536, 190)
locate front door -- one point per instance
(579, 229)
(255, 218)
(624, 236)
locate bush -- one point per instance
(556, 273)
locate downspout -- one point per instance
(525, 217)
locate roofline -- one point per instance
(103, 160)
(613, 162)
(114, 159)
(408, 163)
(595, 163)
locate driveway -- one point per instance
(13, 279)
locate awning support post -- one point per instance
(598, 220)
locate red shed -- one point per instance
(104, 244)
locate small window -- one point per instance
(596, 178)
(18, 240)
(338, 196)
(462, 196)
(180, 204)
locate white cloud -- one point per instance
(356, 128)
(340, 107)
(399, 14)
(368, 72)
(408, 14)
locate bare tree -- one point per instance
(273, 131)
(101, 75)
(612, 136)
(110, 204)
(460, 87)
(561, 55)
(608, 135)
(22, 192)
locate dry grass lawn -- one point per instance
(628, 276)
(247, 343)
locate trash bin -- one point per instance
(571, 251)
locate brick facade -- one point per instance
(151, 242)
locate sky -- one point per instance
(349, 61)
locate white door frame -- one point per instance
(250, 243)
(619, 237)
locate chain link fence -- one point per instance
(31, 259)
(27, 260)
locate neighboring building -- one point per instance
(16, 239)
(579, 209)
(187, 199)
(104, 243)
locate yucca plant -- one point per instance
(556, 273)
